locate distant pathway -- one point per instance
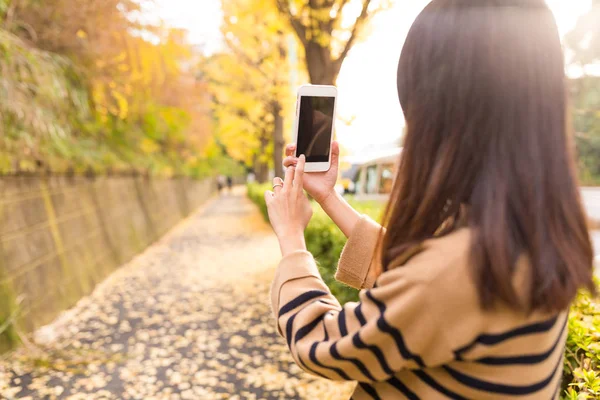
(188, 319)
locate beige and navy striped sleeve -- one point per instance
(358, 267)
(390, 329)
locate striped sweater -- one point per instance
(418, 331)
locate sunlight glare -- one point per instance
(367, 82)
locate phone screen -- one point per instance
(315, 127)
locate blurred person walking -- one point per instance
(468, 282)
(221, 183)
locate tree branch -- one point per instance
(335, 21)
(246, 58)
(242, 88)
(225, 151)
(294, 21)
(243, 114)
(364, 14)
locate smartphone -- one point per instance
(314, 126)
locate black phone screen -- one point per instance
(315, 127)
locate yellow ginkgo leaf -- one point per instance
(149, 146)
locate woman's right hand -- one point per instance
(319, 185)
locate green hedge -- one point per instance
(256, 193)
(581, 377)
(323, 239)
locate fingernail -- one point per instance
(302, 157)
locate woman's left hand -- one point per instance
(289, 209)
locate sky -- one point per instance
(367, 82)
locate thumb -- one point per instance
(335, 152)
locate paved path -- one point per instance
(188, 319)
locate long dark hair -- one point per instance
(483, 89)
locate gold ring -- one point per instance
(277, 184)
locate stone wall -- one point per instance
(61, 236)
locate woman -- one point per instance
(466, 291)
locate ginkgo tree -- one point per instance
(96, 87)
(250, 82)
(242, 123)
(583, 53)
(327, 31)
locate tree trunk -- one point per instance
(322, 70)
(261, 170)
(278, 140)
(261, 165)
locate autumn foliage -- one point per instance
(90, 88)
(271, 47)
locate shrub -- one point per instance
(581, 376)
(256, 193)
(325, 241)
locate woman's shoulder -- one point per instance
(442, 271)
(435, 260)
